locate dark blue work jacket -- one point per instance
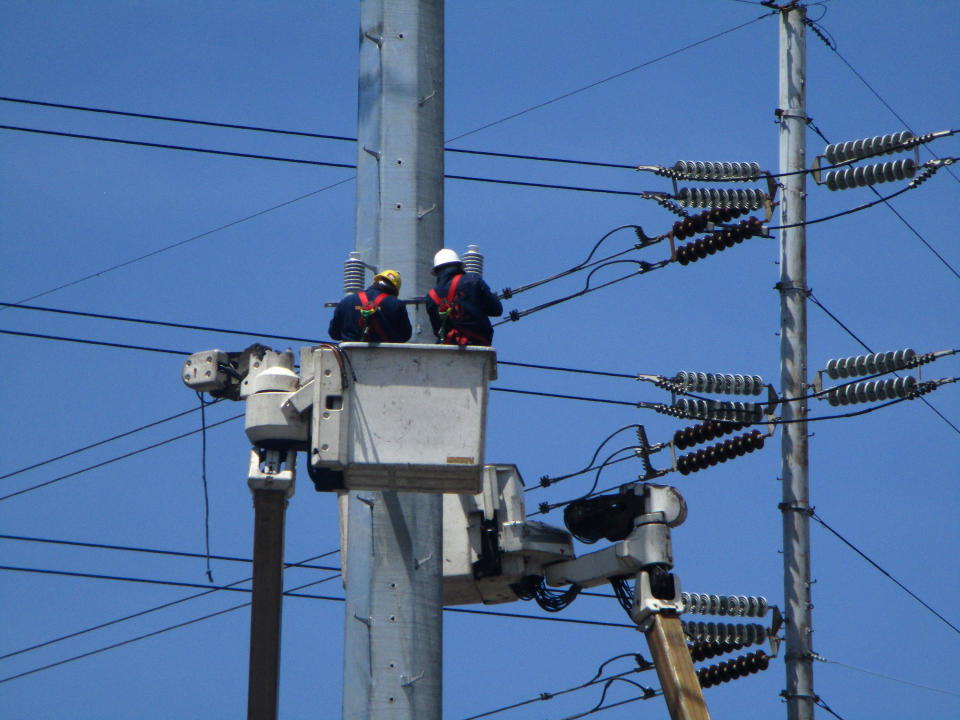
(473, 305)
(390, 323)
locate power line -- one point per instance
(115, 459)
(888, 575)
(141, 613)
(820, 658)
(155, 423)
(302, 161)
(302, 133)
(156, 551)
(290, 593)
(607, 79)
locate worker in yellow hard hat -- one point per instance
(374, 315)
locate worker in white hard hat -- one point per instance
(374, 315)
(461, 304)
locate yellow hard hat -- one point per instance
(391, 277)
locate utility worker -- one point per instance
(460, 304)
(374, 315)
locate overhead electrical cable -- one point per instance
(150, 634)
(113, 438)
(303, 161)
(302, 133)
(607, 79)
(115, 459)
(156, 551)
(163, 606)
(319, 190)
(885, 573)
(819, 658)
(290, 593)
(180, 243)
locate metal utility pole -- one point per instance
(394, 581)
(795, 507)
(270, 508)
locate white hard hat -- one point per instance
(445, 257)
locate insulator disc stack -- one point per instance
(696, 224)
(720, 453)
(742, 412)
(718, 241)
(726, 384)
(868, 147)
(716, 171)
(704, 432)
(354, 274)
(733, 669)
(733, 605)
(473, 260)
(873, 364)
(902, 387)
(710, 632)
(705, 651)
(721, 198)
(871, 174)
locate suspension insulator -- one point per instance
(473, 260)
(734, 605)
(696, 434)
(750, 199)
(718, 410)
(733, 669)
(727, 384)
(705, 651)
(891, 389)
(873, 363)
(744, 634)
(868, 147)
(871, 174)
(354, 274)
(717, 241)
(727, 171)
(721, 452)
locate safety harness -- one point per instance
(368, 319)
(449, 311)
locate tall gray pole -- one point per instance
(394, 585)
(793, 366)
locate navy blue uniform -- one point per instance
(472, 306)
(391, 318)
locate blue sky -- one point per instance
(72, 209)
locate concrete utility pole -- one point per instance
(793, 365)
(394, 585)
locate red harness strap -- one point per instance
(368, 320)
(449, 311)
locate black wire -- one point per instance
(562, 397)
(152, 634)
(644, 268)
(888, 575)
(826, 707)
(104, 343)
(301, 133)
(203, 475)
(101, 442)
(611, 77)
(179, 243)
(593, 459)
(208, 591)
(186, 148)
(569, 370)
(155, 551)
(883, 199)
(301, 161)
(115, 459)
